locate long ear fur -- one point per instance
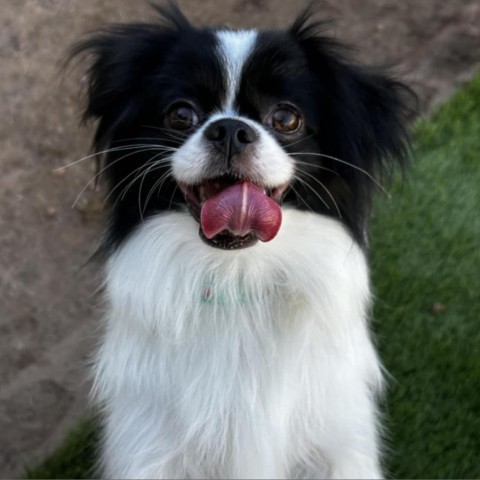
(366, 115)
(370, 105)
(120, 59)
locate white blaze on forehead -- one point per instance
(235, 48)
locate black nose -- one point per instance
(230, 136)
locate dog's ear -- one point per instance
(366, 110)
(120, 60)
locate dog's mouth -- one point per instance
(235, 213)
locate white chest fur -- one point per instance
(238, 364)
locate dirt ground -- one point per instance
(48, 301)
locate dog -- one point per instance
(240, 167)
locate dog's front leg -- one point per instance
(351, 445)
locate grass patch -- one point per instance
(76, 458)
(425, 251)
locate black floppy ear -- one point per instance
(366, 109)
(121, 59)
(372, 108)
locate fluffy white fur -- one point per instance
(252, 363)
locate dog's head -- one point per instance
(232, 125)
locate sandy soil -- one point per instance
(48, 300)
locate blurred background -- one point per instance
(48, 302)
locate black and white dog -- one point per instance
(240, 165)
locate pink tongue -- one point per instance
(241, 209)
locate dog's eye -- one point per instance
(182, 116)
(285, 119)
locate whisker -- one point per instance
(157, 186)
(157, 139)
(97, 175)
(134, 172)
(173, 194)
(173, 134)
(147, 165)
(303, 182)
(326, 189)
(301, 198)
(129, 139)
(287, 145)
(320, 167)
(122, 181)
(109, 150)
(144, 175)
(137, 173)
(346, 163)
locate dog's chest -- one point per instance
(235, 358)
(242, 381)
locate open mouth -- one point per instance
(235, 213)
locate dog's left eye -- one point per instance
(285, 119)
(182, 116)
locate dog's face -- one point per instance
(232, 125)
(231, 166)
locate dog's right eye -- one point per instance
(182, 116)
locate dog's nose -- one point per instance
(231, 137)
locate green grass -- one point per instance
(425, 250)
(76, 458)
